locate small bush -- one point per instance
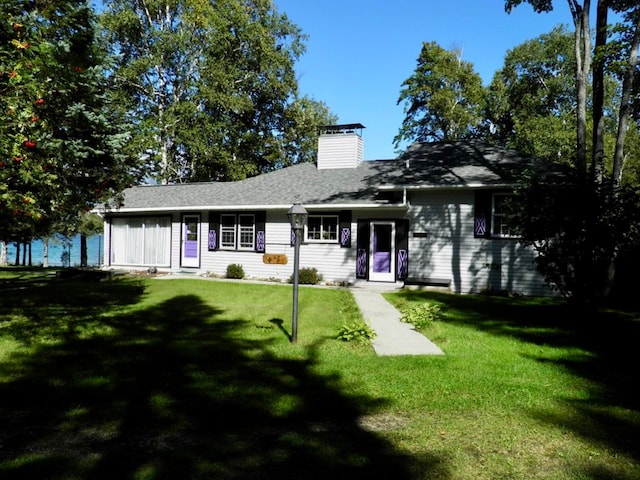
(308, 276)
(235, 271)
(357, 331)
(421, 315)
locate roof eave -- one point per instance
(235, 208)
(474, 186)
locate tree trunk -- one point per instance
(3, 253)
(83, 250)
(45, 252)
(623, 116)
(618, 157)
(30, 262)
(582, 47)
(24, 254)
(597, 158)
(17, 263)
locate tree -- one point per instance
(209, 86)
(59, 140)
(598, 219)
(531, 101)
(443, 98)
(90, 224)
(300, 137)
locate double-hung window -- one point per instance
(237, 232)
(500, 226)
(322, 228)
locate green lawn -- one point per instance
(171, 379)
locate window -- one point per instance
(144, 241)
(228, 231)
(246, 233)
(237, 231)
(499, 222)
(322, 228)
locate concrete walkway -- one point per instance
(393, 337)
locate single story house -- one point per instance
(432, 216)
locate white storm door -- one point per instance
(190, 241)
(382, 265)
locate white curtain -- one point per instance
(141, 241)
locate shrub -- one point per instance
(235, 271)
(357, 331)
(421, 315)
(307, 276)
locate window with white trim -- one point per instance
(237, 231)
(322, 228)
(500, 226)
(141, 241)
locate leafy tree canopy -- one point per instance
(442, 99)
(210, 86)
(59, 142)
(581, 223)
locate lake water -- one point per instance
(58, 247)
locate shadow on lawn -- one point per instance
(173, 392)
(603, 349)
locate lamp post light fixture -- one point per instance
(298, 219)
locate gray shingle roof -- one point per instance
(424, 165)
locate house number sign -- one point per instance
(275, 258)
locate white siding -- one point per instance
(340, 150)
(450, 250)
(106, 248)
(334, 263)
(176, 241)
(441, 245)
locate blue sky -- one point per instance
(360, 51)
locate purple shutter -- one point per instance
(480, 227)
(260, 238)
(212, 240)
(482, 214)
(403, 264)
(402, 246)
(345, 228)
(214, 228)
(361, 263)
(362, 256)
(260, 241)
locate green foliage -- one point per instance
(421, 314)
(578, 230)
(91, 224)
(86, 345)
(59, 142)
(307, 276)
(211, 87)
(531, 100)
(235, 270)
(443, 98)
(357, 332)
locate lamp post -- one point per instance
(298, 219)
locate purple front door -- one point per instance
(382, 259)
(190, 241)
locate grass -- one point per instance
(154, 379)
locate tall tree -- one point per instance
(605, 48)
(443, 98)
(59, 142)
(598, 220)
(210, 86)
(531, 101)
